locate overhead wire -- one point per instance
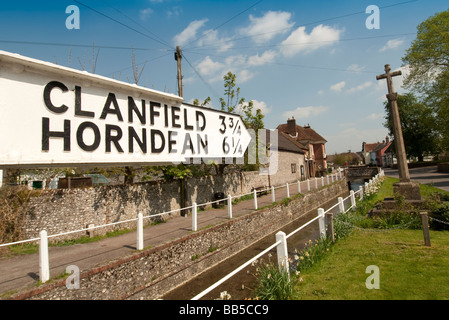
(224, 23)
(309, 23)
(140, 25)
(124, 25)
(58, 44)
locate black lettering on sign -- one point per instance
(175, 117)
(202, 143)
(172, 141)
(188, 144)
(78, 111)
(113, 138)
(153, 112)
(108, 110)
(132, 135)
(166, 115)
(47, 99)
(132, 108)
(199, 115)
(153, 134)
(79, 136)
(186, 125)
(47, 134)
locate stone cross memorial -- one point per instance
(405, 187)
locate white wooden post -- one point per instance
(282, 251)
(273, 196)
(316, 183)
(361, 192)
(308, 184)
(353, 203)
(321, 223)
(327, 177)
(341, 205)
(332, 178)
(322, 181)
(139, 244)
(299, 186)
(288, 191)
(255, 199)
(194, 217)
(229, 206)
(44, 264)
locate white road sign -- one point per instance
(57, 116)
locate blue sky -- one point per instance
(314, 60)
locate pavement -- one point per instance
(425, 175)
(20, 272)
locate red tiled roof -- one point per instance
(305, 134)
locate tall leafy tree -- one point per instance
(418, 130)
(428, 60)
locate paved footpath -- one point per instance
(23, 271)
(425, 175)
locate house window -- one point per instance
(293, 167)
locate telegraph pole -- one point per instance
(178, 58)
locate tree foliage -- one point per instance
(428, 60)
(233, 103)
(417, 122)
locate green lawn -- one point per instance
(408, 270)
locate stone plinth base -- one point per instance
(410, 190)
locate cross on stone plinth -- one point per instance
(406, 187)
(404, 175)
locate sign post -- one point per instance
(56, 116)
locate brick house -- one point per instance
(314, 146)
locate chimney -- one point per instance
(291, 126)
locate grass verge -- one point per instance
(407, 269)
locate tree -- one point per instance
(234, 104)
(428, 60)
(418, 130)
(253, 119)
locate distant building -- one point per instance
(313, 143)
(373, 153)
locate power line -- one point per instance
(122, 24)
(216, 95)
(140, 25)
(58, 44)
(314, 22)
(227, 21)
(310, 43)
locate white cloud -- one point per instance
(145, 13)
(360, 87)
(300, 41)
(262, 106)
(265, 28)
(244, 75)
(355, 68)
(266, 57)
(305, 112)
(392, 44)
(209, 67)
(375, 116)
(189, 33)
(338, 86)
(210, 38)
